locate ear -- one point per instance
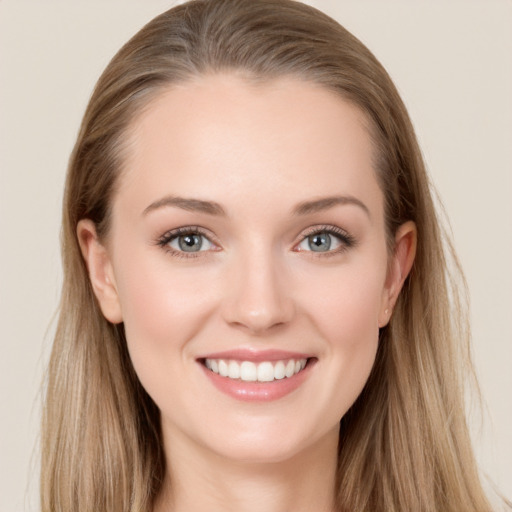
(100, 270)
(398, 269)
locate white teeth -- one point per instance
(234, 370)
(223, 368)
(248, 371)
(265, 371)
(290, 368)
(279, 370)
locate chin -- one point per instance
(271, 441)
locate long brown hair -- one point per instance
(404, 444)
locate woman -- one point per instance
(255, 300)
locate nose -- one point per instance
(259, 296)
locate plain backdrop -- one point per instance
(451, 61)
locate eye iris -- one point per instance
(319, 242)
(190, 242)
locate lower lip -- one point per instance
(257, 391)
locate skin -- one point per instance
(257, 151)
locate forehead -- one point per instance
(222, 132)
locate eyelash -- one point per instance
(346, 240)
(169, 236)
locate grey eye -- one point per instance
(319, 242)
(190, 242)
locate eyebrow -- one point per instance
(213, 208)
(191, 205)
(324, 203)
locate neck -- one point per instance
(199, 480)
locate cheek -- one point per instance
(163, 309)
(346, 303)
(345, 310)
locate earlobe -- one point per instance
(399, 268)
(100, 270)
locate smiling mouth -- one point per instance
(249, 371)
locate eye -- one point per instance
(326, 240)
(319, 242)
(191, 242)
(186, 241)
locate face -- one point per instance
(247, 258)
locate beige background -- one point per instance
(451, 61)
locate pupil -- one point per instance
(320, 242)
(190, 243)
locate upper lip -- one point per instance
(255, 355)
